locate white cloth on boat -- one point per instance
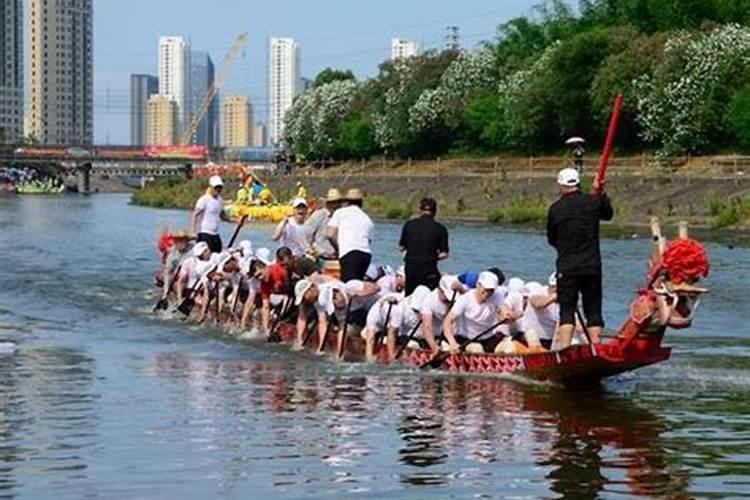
(411, 307)
(355, 229)
(472, 318)
(294, 237)
(543, 321)
(210, 216)
(378, 313)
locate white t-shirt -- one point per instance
(377, 314)
(434, 307)
(211, 216)
(542, 321)
(472, 318)
(294, 237)
(515, 303)
(356, 286)
(355, 229)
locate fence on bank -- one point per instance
(499, 168)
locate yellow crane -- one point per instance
(226, 64)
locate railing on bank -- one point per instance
(717, 167)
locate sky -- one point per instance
(345, 34)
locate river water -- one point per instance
(104, 400)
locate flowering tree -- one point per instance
(673, 104)
(311, 124)
(468, 74)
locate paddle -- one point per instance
(604, 160)
(237, 231)
(414, 331)
(163, 302)
(384, 331)
(440, 357)
(344, 328)
(311, 329)
(583, 325)
(284, 311)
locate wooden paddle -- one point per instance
(384, 331)
(583, 325)
(438, 359)
(311, 329)
(340, 353)
(284, 311)
(163, 302)
(608, 144)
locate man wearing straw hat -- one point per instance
(315, 227)
(350, 231)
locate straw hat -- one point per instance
(180, 234)
(355, 194)
(333, 195)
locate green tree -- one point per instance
(738, 116)
(329, 75)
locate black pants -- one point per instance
(417, 274)
(354, 265)
(589, 286)
(212, 240)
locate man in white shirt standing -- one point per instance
(207, 214)
(351, 231)
(291, 231)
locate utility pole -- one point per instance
(452, 38)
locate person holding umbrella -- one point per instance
(577, 144)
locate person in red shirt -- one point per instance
(274, 284)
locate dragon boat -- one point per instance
(669, 300)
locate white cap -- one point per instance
(298, 202)
(446, 285)
(488, 280)
(199, 248)
(325, 298)
(568, 177)
(552, 280)
(263, 254)
(247, 247)
(515, 285)
(532, 288)
(215, 181)
(300, 289)
(401, 270)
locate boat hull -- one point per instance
(578, 365)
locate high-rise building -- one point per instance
(161, 118)
(403, 49)
(174, 76)
(141, 88)
(236, 122)
(284, 83)
(61, 108)
(11, 70)
(260, 135)
(202, 75)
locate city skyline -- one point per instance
(336, 34)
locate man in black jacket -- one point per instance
(573, 229)
(424, 242)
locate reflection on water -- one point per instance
(452, 430)
(46, 415)
(103, 400)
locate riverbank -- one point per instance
(716, 203)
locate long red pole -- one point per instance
(604, 160)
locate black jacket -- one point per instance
(573, 229)
(423, 239)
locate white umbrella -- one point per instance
(575, 140)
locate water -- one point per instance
(104, 400)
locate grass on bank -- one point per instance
(727, 212)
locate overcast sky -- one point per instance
(353, 34)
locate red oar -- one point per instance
(604, 160)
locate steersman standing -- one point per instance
(573, 229)
(207, 214)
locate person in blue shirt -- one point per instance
(469, 278)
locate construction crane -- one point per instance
(237, 47)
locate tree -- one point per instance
(738, 116)
(329, 75)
